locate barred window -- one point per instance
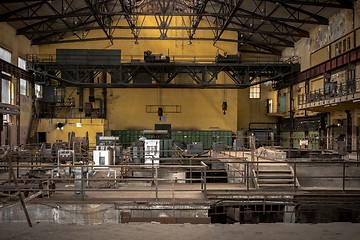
(255, 91)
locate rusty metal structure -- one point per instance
(266, 26)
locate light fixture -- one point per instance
(60, 125)
(189, 42)
(224, 107)
(160, 112)
(340, 123)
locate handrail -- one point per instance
(240, 175)
(332, 91)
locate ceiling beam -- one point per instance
(98, 20)
(157, 38)
(16, 1)
(298, 30)
(7, 15)
(327, 4)
(128, 19)
(321, 19)
(199, 17)
(228, 20)
(346, 3)
(83, 27)
(75, 13)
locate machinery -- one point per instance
(155, 58)
(108, 151)
(195, 148)
(152, 151)
(228, 58)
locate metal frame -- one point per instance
(46, 22)
(162, 75)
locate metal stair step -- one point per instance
(260, 181)
(274, 176)
(275, 185)
(274, 170)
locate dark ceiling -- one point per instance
(265, 25)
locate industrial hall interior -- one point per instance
(180, 111)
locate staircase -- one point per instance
(274, 175)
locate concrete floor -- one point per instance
(154, 231)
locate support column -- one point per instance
(104, 92)
(1, 115)
(292, 114)
(348, 131)
(17, 102)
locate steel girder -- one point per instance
(266, 25)
(165, 75)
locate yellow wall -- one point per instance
(317, 84)
(19, 46)
(320, 56)
(254, 110)
(92, 126)
(177, 48)
(200, 108)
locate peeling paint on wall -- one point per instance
(340, 24)
(357, 14)
(302, 50)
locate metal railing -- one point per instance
(178, 58)
(342, 175)
(332, 91)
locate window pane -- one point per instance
(23, 86)
(6, 118)
(255, 91)
(22, 63)
(38, 92)
(5, 91)
(5, 55)
(23, 82)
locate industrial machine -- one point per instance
(195, 148)
(228, 58)
(108, 151)
(155, 58)
(152, 151)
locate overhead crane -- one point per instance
(139, 74)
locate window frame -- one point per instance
(255, 91)
(23, 82)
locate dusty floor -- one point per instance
(150, 231)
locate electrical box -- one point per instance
(152, 151)
(103, 157)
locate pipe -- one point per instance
(81, 99)
(108, 138)
(348, 130)
(262, 123)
